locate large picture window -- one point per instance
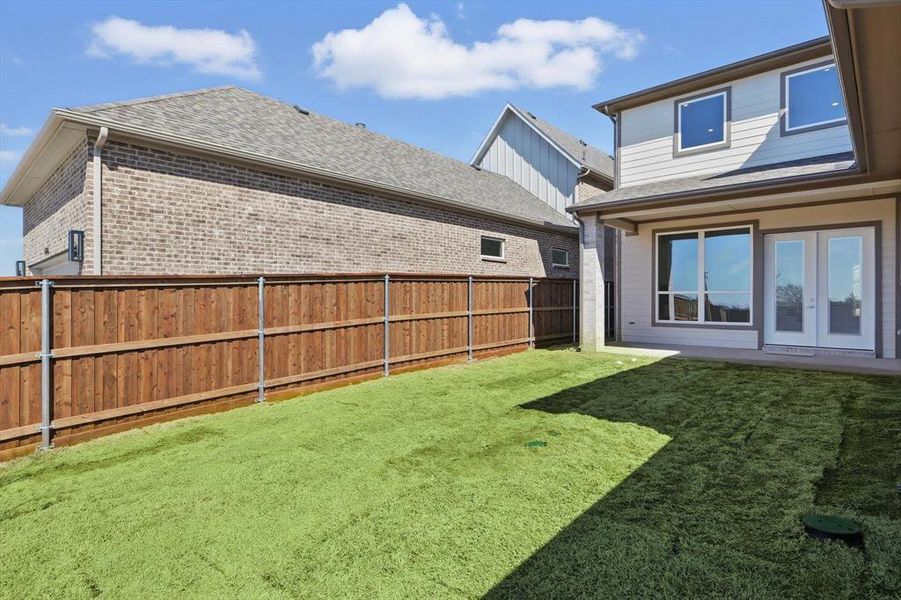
(704, 276)
(702, 122)
(812, 99)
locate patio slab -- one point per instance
(841, 364)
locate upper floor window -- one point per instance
(702, 122)
(811, 99)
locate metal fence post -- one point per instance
(531, 322)
(387, 324)
(470, 338)
(45, 355)
(575, 305)
(261, 338)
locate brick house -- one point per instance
(224, 180)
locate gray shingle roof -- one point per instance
(246, 121)
(587, 155)
(821, 165)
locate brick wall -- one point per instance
(173, 213)
(62, 203)
(584, 191)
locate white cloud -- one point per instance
(209, 51)
(8, 156)
(400, 55)
(14, 131)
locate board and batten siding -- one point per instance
(646, 148)
(521, 154)
(636, 277)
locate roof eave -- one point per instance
(118, 128)
(721, 192)
(589, 172)
(40, 143)
(840, 36)
(495, 129)
(744, 68)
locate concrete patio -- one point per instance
(841, 364)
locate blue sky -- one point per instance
(434, 74)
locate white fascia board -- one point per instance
(29, 160)
(495, 129)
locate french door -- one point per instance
(819, 289)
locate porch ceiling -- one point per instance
(701, 208)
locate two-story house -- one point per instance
(759, 201)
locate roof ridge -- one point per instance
(454, 180)
(585, 154)
(537, 118)
(149, 99)
(365, 130)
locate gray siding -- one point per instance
(636, 284)
(520, 153)
(646, 150)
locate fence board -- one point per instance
(128, 348)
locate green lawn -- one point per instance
(658, 479)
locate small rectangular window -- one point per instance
(559, 257)
(492, 248)
(812, 99)
(703, 122)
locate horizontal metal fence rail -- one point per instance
(83, 356)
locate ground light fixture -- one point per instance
(830, 527)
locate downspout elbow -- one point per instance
(97, 161)
(100, 142)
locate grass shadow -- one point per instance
(716, 512)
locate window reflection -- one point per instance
(728, 308)
(789, 257)
(702, 121)
(845, 284)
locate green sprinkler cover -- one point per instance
(831, 524)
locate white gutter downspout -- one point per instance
(98, 199)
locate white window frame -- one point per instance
(502, 257)
(556, 264)
(701, 293)
(724, 142)
(818, 124)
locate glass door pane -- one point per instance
(845, 284)
(789, 276)
(790, 284)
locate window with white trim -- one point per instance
(704, 276)
(559, 257)
(492, 248)
(813, 99)
(702, 122)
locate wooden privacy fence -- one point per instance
(82, 356)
